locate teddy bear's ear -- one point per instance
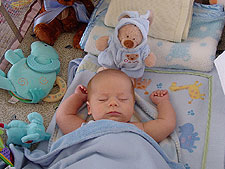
(123, 16)
(128, 14)
(150, 17)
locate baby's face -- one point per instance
(111, 98)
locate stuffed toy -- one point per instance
(24, 134)
(5, 154)
(58, 16)
(222, 2)
(127, 49)
(202, 1)
(30, 79)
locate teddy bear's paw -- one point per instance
(45, 33)
(77, 38)
(76, 44)
(78, 35)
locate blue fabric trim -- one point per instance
(90, 25)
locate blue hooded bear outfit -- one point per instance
(115, 55)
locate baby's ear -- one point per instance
(88, 107)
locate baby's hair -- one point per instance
(108, 72)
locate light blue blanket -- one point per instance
(198, 140)
(99, 145)
(199, 136)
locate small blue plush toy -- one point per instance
(24, 134)
(31, 78)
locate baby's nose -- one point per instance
(113, 102)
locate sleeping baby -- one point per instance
(110, 96)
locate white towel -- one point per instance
(172, 18)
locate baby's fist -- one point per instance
(159, 96)
(82, 92)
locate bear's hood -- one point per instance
(141, 21)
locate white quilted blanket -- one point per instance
(172, 18)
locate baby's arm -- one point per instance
(165, 123)
(66, 117)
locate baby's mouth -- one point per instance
(114, 113)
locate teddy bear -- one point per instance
(222, 2)
(127, 48)
(58, 16)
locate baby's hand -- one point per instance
(159, 96)
(82, 92)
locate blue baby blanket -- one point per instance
(100, 145)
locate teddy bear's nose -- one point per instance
(128, 43)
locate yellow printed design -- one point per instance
(88, 65)
(21, 3)
(62, 90)
(142, 84)
(193, 90)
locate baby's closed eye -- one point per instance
(123, 99)
(102, 99)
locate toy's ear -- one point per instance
(128, 14)
(53, 66)
(150, 18)
(35, 116)
(123, 16)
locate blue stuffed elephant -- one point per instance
(31, 79)
(24, 134)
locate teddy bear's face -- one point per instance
(67, 2)
(130, 36)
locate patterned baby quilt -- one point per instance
(198, 140)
